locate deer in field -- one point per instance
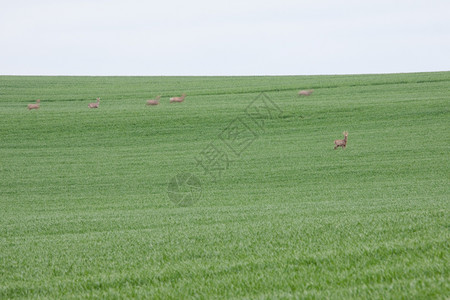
(305, 92)
(178, 99)
(34, 106)
(154, 101)
(341, 143)
(95, 105)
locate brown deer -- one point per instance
(34, 106)
(341, 143)
(178, 99)
(95, 105)
(154, 101)
(305, 92)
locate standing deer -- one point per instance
(95, 105)
(341, 143)
(178, 99)
(34, 106)
(305, 92)
(154, 101)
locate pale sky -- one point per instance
(200, 37)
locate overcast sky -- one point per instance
(200, 37)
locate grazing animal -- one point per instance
(154, 101)
(178, 99)
(341, 143)
(305, 92)
(34, 106)
(95, 105)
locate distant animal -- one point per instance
(305, 92)
(34, 106)
(154, 101)
(178, 99)
(95, 105)
(341, 143)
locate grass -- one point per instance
(84, 209)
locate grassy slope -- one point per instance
(83, 193)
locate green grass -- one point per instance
(84, 209)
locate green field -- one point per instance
(85, 210)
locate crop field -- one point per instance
(236, 192)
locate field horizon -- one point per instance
(236, 192)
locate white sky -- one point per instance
(200, 37)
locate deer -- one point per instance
(95, 105)
(154, 101)
(305, 92)
(341, 143)
(178, 99)
(34, 106)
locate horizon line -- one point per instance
(218, 75)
